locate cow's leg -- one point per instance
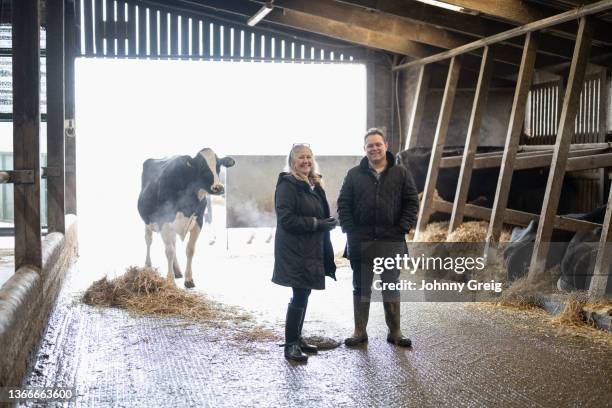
(148, 241)
(193, 238)
(176, 267)
(169, 237)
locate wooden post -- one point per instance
(575, 82)
(473, 137)
(515, 128)
(438, 145)
(26, 125)
(418, 106)
(55, 115)
(69, 140)
(599, 281)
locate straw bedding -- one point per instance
(143, 291)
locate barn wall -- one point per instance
(251, 183)
(495, 122)
(380, 97)
(26, 300)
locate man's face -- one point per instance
(375, 148)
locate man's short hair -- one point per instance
(375, 131)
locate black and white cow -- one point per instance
(575, 252)
(526, 190)
(172, 202)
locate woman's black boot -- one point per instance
(306, 348)
(292, 334)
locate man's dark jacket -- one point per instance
(302, 255)
(377, 210)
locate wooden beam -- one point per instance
(446, 111)
(515, 217)
(418, 107)
(515, 128)
(55, 115)
(69, 139)
(475, 26)
(395, 26)
(522, 12)
(564, 138)
(473, 137)
(26, 125)
(603, 260)
(578, 160)
(527, 28)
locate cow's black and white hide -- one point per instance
(566, 248)
(172, 202)
(526, 190)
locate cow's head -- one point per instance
(208, 166)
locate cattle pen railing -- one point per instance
(561, 157)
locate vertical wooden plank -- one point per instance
(88, 27)
(131, 17)
(76, 9)
(163, 33)
(515, 128)
(227, 42)
(257, 46)
(603, 260)
(195, 37)
(55, 115)
(247, 45)
(110, 28)
(142, 30)
(269, 46)
(71, 33)
(99, 27)
(184, 37)
(418, 106)
(174, 34)
(207, 49)
(575, 82)
(121, 28)
(278, 48)
(26, 125)
(473, 137)
(446, 110)
(216, 36)
(153, 22)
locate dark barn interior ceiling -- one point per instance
(412, 29)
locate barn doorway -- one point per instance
(131, 110)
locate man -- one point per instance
(377, 206)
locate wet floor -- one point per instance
(463, 355)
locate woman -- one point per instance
(303, 253)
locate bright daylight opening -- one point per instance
(128, 111)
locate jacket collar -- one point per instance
(288, 177)
(365, 166)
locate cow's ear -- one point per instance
(227, 161)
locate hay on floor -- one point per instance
(143, 291)
(470, 231)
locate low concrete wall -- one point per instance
(26, 300)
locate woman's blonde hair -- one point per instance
(313, 177)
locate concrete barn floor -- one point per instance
(463, 354)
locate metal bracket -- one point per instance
(51, 172)
(69, 127)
